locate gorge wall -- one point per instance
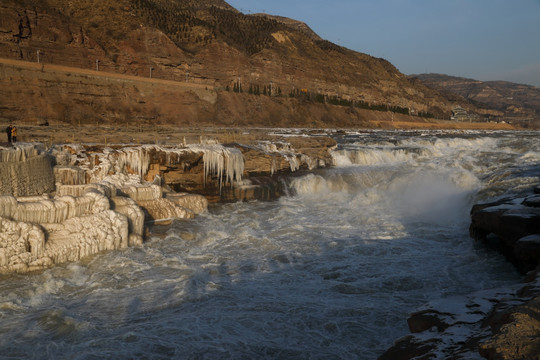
(209, 44)
(32, 93)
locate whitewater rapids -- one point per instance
(329, 272)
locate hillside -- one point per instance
(515, 102)
(203, 42)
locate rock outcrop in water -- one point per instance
(70, 201)
(499, 323)
(515, 225)
(496, 324)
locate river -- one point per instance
(330, 271)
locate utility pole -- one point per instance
(270, 88)
(97, 64)
(151, 68)
(38, 56)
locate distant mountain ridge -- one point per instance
(513, 101)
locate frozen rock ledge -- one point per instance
(66, 202)
(50, 216)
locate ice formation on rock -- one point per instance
(78, 237)
(286, 151)
(54, 210)
(143, 192)
(137, 159)
(165, 209)
(25, 170)
(69, 175)
(276, 146)
(33, 198)
(103, 187)
(224, 163)
(97, 199)
(194, 202)
(21, 245)
(227, 164)
(38, 234)
(20, 152)
(129, 208)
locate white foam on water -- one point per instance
(330, 272)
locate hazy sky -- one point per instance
(478, 39)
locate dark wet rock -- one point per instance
(511, 221)
(496, 324)
(533, 201)
(527, 252)
(427, 319)
(264, 188)
(409, 347)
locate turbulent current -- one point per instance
(330, 271)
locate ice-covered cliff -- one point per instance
(25, 170)
(70, 201)
(53, 214)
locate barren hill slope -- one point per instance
(204, 42)
(512, 100)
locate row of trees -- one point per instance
(254, 89)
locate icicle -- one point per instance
(294, 163)
(227, 164)
(72, 190)
(8, 206)
(311, 163)
(20, 152)
(69, 175)
(138, 159)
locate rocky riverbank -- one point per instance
(494, 324)
(64, 202)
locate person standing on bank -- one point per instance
(8, 132)
(13, 134)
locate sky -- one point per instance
(478, 39)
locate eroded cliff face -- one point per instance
(217, 53)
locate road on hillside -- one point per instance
(73, 70)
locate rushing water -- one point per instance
(329, 272)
